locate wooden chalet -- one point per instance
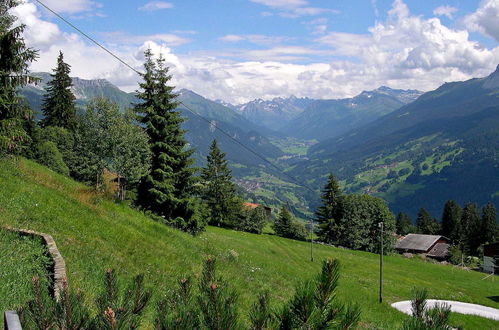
(490, 251)
(434, 246)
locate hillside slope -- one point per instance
(444, 145)
(93, 234)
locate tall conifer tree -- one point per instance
(470, 228)
(328, 212)
(14, 61)
(450, 220)
(58, 103)
(489, 224)
(425, 223)
(218, 191)
(404, 224)
(167, 188)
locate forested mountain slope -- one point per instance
(445, 145)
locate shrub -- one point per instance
(285, 226)
(252, 220)
(50, 156)
(423, 318)
(115, 309)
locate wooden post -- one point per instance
(381, 264)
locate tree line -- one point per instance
(466, 227)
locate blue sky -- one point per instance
(238, 50)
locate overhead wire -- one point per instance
(280, 170)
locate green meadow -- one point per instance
(94, 233)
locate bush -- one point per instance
(115, 309)
(252, 220)
(423, 318)
(50, 156)
(285, 226)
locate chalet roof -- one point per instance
(251, 205)
(417, 242)
(440, 250)
(255, 205)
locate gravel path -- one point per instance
(455, 306)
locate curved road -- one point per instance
(455, 306)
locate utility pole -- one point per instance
(381, 264)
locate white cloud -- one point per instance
(446, 11)
(404, 51)
(123, 38)
(485, 19)
(156, 5)
(410, 52)
(293, 8)
(72, 6)
(45, 33)
(257, 39)
(282, 4)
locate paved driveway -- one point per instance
(455, 306)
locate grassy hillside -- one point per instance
(93, 233)
(20, 260)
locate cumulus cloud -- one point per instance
(485, 19)
(403, 51)
(156, 5)
(446, 11)
(411, 52)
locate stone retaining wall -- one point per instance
(58, 273)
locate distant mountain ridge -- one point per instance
(444, 145)
(324, 119)
(275, 113)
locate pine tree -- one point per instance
(327, 213)
(167, 188)
(282, 225)
(450, 220)
(285, 226)
(219, 193)
(470, 229)
(425, 223)
(404, 224)
(489, 224)
(14, 61)
(58, 103)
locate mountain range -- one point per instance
(414, 149)
(444, 145)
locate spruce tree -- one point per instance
(470, 229)
(219, 192)
(328, 212)
(283, 223)
(167, 188)
(404, 224)
(489, 224)
(425, 223)
(58, 103)
(14, 61)
(450, 220)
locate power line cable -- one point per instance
(186, 107)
